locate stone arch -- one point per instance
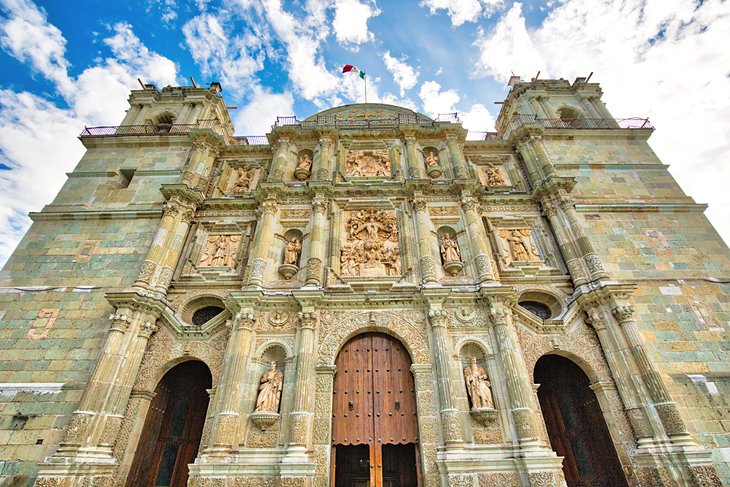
(582, 364)
(262, 349)
(478, 342)
(348, 324)
(569, 113)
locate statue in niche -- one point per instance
(492, 176)
(369, 163)
(477, 385)
(304, 167)
(432, 159)
(243, 179)
(450, 249)
(291, 251)
(371, 245)
(220, 251)
(270, 386)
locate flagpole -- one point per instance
(366, 88)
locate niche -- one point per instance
(432, 162)
(291, 254)
(304, 165)
(270, 373)
(450, 251)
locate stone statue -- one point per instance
(521, 246)
(477, 385)
(492, 176)
(371, 244)
(450, 249)
(291, 251)
(432, 159)
(368, 163)
(304, 162)
(270, 386)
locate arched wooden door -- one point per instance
(575, 425)
(171, 435)
(374, 421)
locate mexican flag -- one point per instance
(349, 68)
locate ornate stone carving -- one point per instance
(524, 424)
(314, 270)
(705, 476)
(220, 251)
(257, 270)
(451, 422)
(298, 428)
(450, 249)
(241, 179)
(443, 210)
(277, 319)
(432, 164)
(492, 175)
(623, 313)
(371, 247)
(270, 387)
(594, 263)
(477, 386)
(292, 250)
(295, 214)
(146, 271)
(371, 163)
(483, 266)
(304, 167)
(517, 246)
(671, 419)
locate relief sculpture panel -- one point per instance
(371, 244)
(220, 251)
(516, 245)
(369, 163)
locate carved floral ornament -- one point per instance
(371, 244)
(368, 163)
(220, 251)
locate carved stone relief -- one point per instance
(492, 175)
(240, 180)
(220, 251)
(516, 245)
(369, 163)
(371, 244)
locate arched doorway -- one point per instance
(374, 421)
(171, 435)
(575, 424)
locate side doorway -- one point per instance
(374, 419)
(173, 428)
(575, 425)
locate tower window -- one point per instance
(538, 309)
(204, 315)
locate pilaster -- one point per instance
(478, 240)
(428, 261)
(262, 242)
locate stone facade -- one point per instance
(557, 235)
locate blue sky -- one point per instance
(66, 64)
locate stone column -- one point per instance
(229, 392)
(280, 160)
(196, 173)
(456, 157)
(156, 253)
(173, 246)
(317, 250)
(262, 242)
(95, 425)
(570, 255)
(304, 386)
(415, 165)
(427, 261)
(321, 168)
(478, 240)
(451, 425)
(519, 386)
(589, 108)
(665, 407)
(546, 107)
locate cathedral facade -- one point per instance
(366, 297)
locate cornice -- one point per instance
(60, 215)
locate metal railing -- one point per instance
(250, 140)
(154, 129)
(332, 121)
(634, 123)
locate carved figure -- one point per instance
(291, 251)
(432, 159)
(492, 176)
(243, 181)
(304, 162)
(477, 385)
(450, 249)
(270, 387)
(368, 163)
(220, 251)
(520, 245)
(371, 247)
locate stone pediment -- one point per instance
(368, 111)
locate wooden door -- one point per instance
(171, 435)
(374, 405)
(575, 425)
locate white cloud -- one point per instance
(461, 11)
(436, 101)
(663, 59)
(351, 21)
(477, 119)
(508, 48)
(235, 59)
(404, 75)
(26, 34)
(259, 115)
